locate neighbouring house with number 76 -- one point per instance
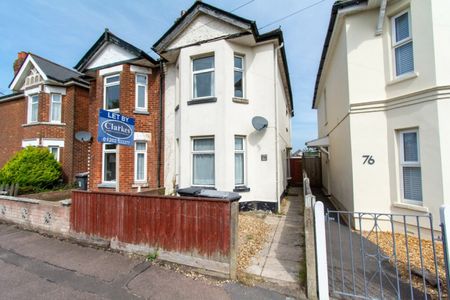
(382, 97)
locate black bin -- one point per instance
(208, 193)
(81, 180)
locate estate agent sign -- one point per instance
(114, 128)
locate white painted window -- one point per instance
(402, 43)
(239, 76)
(203, 169)
(55, 108)
(109, 163)
(141, 92)
(410, 168)
(140, 162)
(55, 151)
(111, 92)
(239, 161)
(203, 77)
(33, 108)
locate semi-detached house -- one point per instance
(213, 112)
(383, 100)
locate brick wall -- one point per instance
(144, 123)
(12, 116)
(36, 214)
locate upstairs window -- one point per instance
(203, 161)
(238, 76)
(55, 108)
(203, 77)
(141, 92)
(112, 92)
(33, 108)
(410, 168)
(402, 44)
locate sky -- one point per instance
(63, 30)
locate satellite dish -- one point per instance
(83, 136)
(259, 123)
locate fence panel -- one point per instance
(296, 171)
(194, 226)
(384, 256)
(313, 167)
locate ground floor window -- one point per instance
(109, 162)
(203, 169)
(55, 151)
(140, 162)
(410, 167)
(239, 161)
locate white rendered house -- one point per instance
(383, 105)
(220, 73)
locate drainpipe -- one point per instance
(275, 70)
(161, 85)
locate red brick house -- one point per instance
(51, 103)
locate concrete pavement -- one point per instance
(33, 266)
(281, 260)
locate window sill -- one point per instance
(240, 100)
(107, 185)
(403, 77)
(43, 123)
(139, 184)
(202, 101)
(141, 112)
(410, 207)
(241, 189)
(206, 187)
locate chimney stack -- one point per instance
(19, 61)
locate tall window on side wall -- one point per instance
(203, 169)
(239, 161)
(402, 43)
(54, 150)
(203, 77)
(141, 92)
(111, 92)
(55, 108)
(238, 76)
(33, 108)
(109, 163)
(410, 168)
(140, 162)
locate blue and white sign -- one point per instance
(114, 128)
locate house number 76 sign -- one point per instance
(368, 159)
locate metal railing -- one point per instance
(383, 256)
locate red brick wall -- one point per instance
(12, 116)
(144, 123)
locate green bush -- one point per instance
(33, 168)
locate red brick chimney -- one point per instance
(19, 61)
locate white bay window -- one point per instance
(55, 108)
(140, 162)
(111, 92)
(203, 77)
(402, 43)
(109, 163)
(141, 92)
(203, 169)
(33, 108)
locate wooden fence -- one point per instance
(191, 227)
(313, 167)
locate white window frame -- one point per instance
(136, 153)
(213, 88)
(105, 85)
(30, 108)
(242, 70)
(138, 108)
(104, 151)
(398, 44)
(404, 163)
(51, 107)
(57, 151)
(243, 151)
(194, 152)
